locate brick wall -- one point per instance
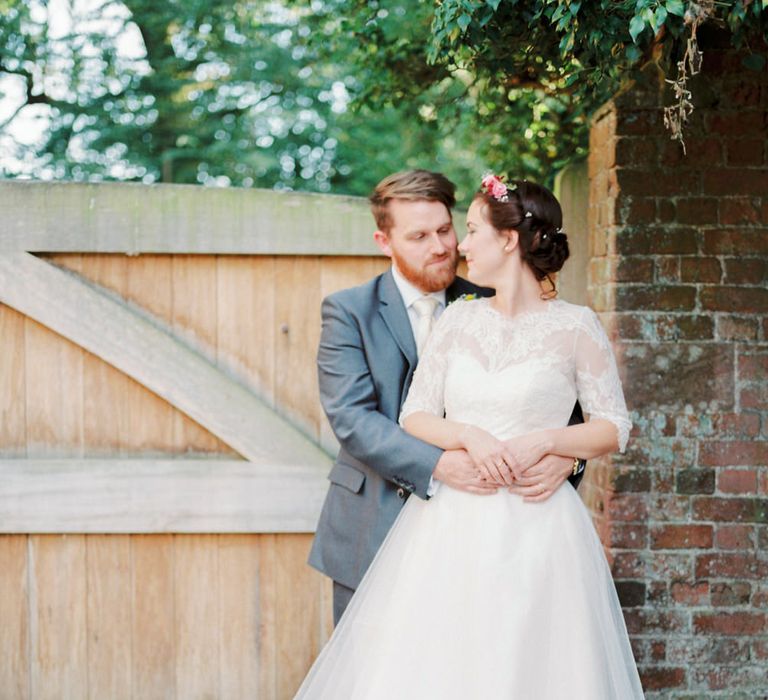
(679, 272)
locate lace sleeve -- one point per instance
(597, 379)
(426, 392)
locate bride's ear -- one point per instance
(512, 239)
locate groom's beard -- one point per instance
(435, 276)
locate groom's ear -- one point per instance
(382, 240)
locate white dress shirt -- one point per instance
(410, 293)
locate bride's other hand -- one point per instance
(527, 450)
(541, 480)
(491, 456)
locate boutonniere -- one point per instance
(464, 297)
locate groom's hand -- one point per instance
(542, 479)
(457, 470)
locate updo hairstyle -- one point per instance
(543, 245)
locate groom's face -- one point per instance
(421, 242)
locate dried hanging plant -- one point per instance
(677, 114)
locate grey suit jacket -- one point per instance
(365, 361)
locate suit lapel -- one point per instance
(395, 316)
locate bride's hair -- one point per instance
(534, 212)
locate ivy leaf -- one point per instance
(464, 21)
(675, 7)
(636, 27)
(755, 61)
(661, 17)
(494, 4)
(574, 7)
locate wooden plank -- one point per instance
(13, 439)
(194, 320)
(54, 394)
(297, 315)
(268, 618)
(197, 630)
(125, 496)
(238, 591)
(298, 613)
(104, 419)
(58, 617)
(150, 420)
(153, 617)
(136, 346)
(14, 614)
(246, 321)
(108, 562)
(133, 218)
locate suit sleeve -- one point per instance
(348, 396)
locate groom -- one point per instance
(369, 347)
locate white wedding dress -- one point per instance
(488, 597)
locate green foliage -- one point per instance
(520, 79)
(212, 92)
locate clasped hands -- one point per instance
(523, 464)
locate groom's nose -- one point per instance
(437, 244)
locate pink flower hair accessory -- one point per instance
(493, 185)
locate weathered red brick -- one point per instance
(667, 269)
(730, 565)
(753, 365)
(745, 122)
(628, 564)
(741, 242)
(736, 328)
(695, 480)
(628, 536)
(736, 623)
(745, 300)
(735, 537)
(738, 510)
(647, 621)
(699, 151)
(737, 481)
(733, 453)
(746, 152)
(726, 594)
(753, 398)
(681, 537)
(746, 271)
(658, 298)
(638, 210)
(700, 270)
(658, 183)
(739, 210)
(658, 241)
(662, 678)
(627, 507)
(696, 210)
(686, 593)
(631, 593)
(742, 93)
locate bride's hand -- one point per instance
(491, 456)
(527, 450)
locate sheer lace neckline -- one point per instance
(534, 313)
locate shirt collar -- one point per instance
(410, 293)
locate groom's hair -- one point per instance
(411, 185)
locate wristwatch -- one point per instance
(576, 465)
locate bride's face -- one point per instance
(484, 248)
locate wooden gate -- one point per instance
(162, 449)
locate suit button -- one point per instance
(401, 492)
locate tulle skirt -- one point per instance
(482, 597)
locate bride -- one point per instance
(497, 597)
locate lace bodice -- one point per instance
(511, 376)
